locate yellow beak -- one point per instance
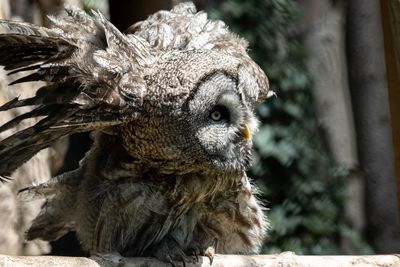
(246, 132)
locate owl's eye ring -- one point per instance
(220, 113)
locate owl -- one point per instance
(169, 104)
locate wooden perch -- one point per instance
(286, 259)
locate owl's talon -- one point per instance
(113, 257)
(169, 260)
(194, 254)
(211, 258)
(183, 261)
(210, 253)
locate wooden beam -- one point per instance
(390, 10)
(286, 259)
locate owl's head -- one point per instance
(201, 90)
(220, 120)
(198, 113)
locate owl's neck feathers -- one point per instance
(109, 160)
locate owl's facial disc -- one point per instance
(220, 123)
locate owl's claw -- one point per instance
(170, 251)
(194, 254)
(183, 261)
(113, 257)
(210, 253)
(170, 261)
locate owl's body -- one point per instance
(170, 106)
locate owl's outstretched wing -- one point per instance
(94, 76)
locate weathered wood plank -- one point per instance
(286, 259)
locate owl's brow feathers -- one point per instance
(229, 74)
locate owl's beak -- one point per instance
(246, 132)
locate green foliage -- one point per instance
(292, 164)
(89, 5)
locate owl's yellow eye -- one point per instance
(220, 113)
(216, 115)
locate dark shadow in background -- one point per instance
(79, 144)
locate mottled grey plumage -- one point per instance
(170, 105)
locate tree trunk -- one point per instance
(323, 24)
(325, 46)
(372, 117)
(390, 11)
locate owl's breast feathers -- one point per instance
(187, 208)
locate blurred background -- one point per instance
(324, 157)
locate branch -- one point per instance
(286, 259)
